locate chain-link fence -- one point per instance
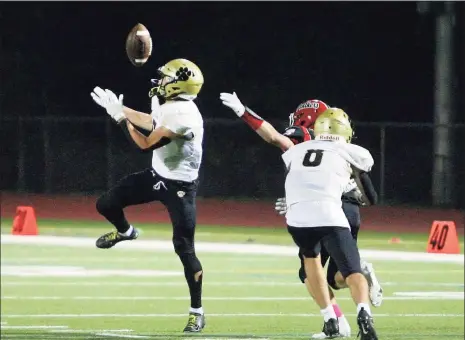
(87, 155)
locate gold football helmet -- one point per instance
(333, 124)
(177, 77)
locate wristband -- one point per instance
(252, 119)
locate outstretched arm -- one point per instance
(157, 138)
(258, 124)
(270, 135)
(144, 121)
(140, 119)
(173, 125)
(140, 130)
(115, 108)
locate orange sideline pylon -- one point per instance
(25, 222)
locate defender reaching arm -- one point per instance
(301, 121)
(258, 124)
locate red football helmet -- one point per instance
(307, 112)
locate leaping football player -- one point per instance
(173, 132)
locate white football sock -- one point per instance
(129, 231)
(344, 326)
(196, 310)
(328, 313)
(365, 306)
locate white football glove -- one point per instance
(280, 206)
(108, 100)
(231, 101)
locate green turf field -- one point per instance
(80, 292)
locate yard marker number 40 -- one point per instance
(443, 238)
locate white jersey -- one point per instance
(318, 174)
(181, 158)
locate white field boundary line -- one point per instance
(81, 272)
(70, 271)
(420, 295)
(397, 296)
(207, 284)
(114, 333)
(226, 338)
(183, 315)
(86, 331)
(208, 247)
(33, 327)
(119, 335)
(128, 336)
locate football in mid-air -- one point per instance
(139, 45)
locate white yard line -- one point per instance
(46, 271)
(208, 247)
(208, 283)
(119, 335)
(69, 271)
(438, 295)
(66, 316)
(398, 296)
(34, 327)
(226, 338)
(425, 284)
(92, 331)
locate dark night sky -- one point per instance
(373, 59)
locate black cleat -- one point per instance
(331, 329)
(110, 239)
(195, 324)
(365, 326)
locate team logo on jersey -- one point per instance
(158, 185)
(181, 194)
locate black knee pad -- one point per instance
(191, 264)
(184, 247)
(302, 274)
(332, 282)
(331, 273)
